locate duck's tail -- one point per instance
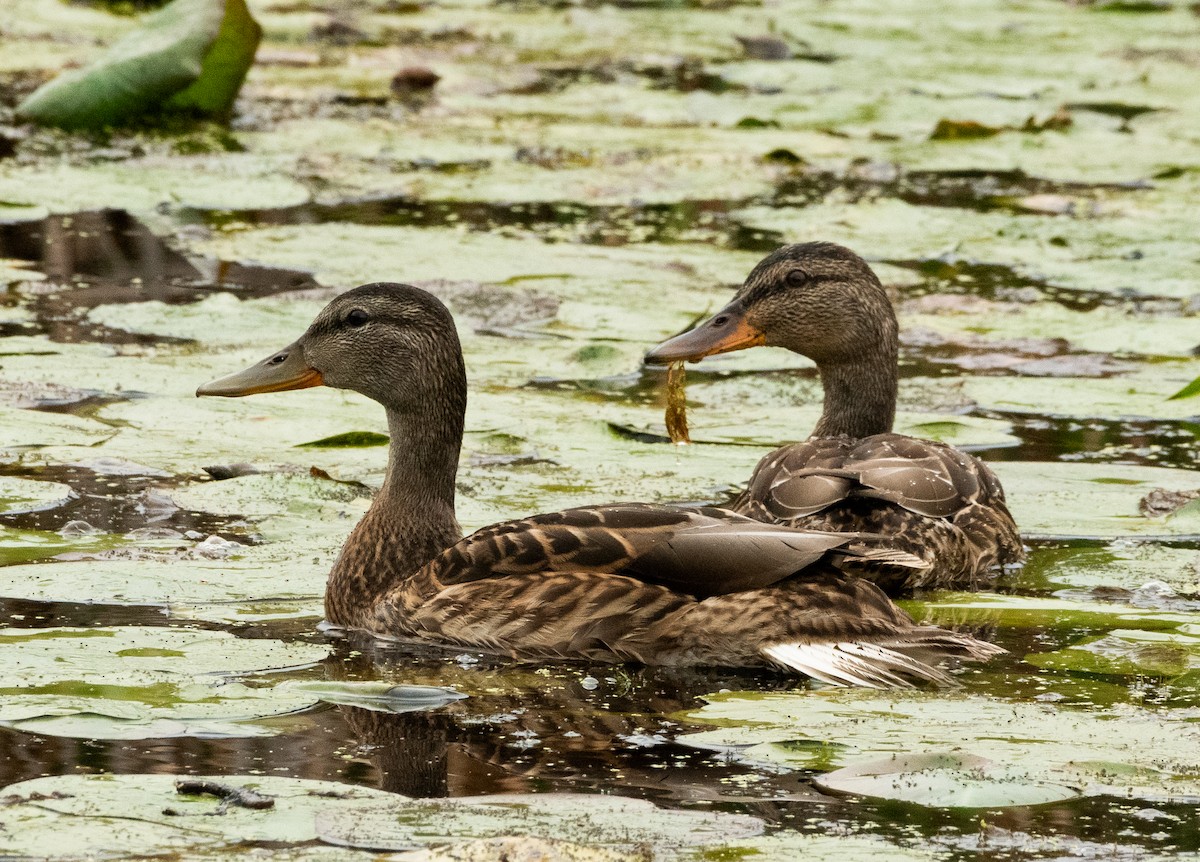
(893, 663)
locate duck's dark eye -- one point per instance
(357, 317)
(796, 277)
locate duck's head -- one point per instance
(394, 343)
(815, 298)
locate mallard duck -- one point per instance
(633, 582)
(854, 474)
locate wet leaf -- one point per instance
(348, 439)
(123, 815)
(127, 815)
(143, 683)
(1189, 391)
(1047, 748)
(29, 495)
(189, 56)
(594, 819)
(943, 781)
(1072, 500)
(962, 130)
(1127, 652)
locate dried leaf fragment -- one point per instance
(677, 428)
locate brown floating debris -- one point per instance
(1161, 502)
(963, 130)
(677, 427)
(242, 797)
(764, 47)
(413, 80)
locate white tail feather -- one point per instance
(851, 663)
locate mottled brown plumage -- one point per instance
(622, 582)
(854, 474)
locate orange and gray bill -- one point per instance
(725, 331)
(279, 372)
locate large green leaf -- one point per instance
(191, 55)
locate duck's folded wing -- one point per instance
(700, 552)
(922, 476)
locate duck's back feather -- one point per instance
(940, 504)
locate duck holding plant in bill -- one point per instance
(625, 582)
(854, 473)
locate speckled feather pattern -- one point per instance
(630, 582)
(937, 503)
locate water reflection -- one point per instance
(89, 259)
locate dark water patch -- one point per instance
(26, 614)
(1149, 442)
(680, 74)
(583, 729)
(1003, 283)
(536, 728)
(56, 398)
(711, 221)
(974, 189)
(118, 503)
(595, 224)
(665, 5)
(107, 257)
(121, 7)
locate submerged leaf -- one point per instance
(676, 418)
(192, 55)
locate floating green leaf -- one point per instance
(189, 56)
(1189, 391)
(350, 439)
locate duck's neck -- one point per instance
(860, 394)
(412, 518)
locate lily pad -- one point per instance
(1071, 500)
(1124, 750)
(28, 495)
(140, 683)
(595, 819)
(347, 439)
(189, 56)
(122, 815)
(943, 781)
(1128, 652)
(128, 815)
